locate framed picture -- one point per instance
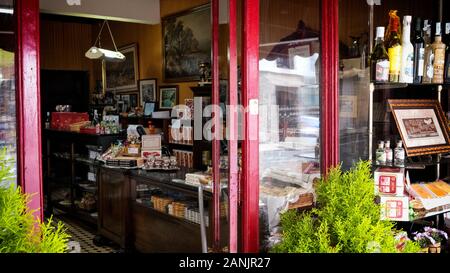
(348, 106)
(149, 108)
(147, 90)
(123, 76)
(134, 100)
(168, 97)
(422, 126)
(187, 43)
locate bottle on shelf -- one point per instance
(380, 154)
(429, 54)
(389, 153)
(96, 122)
(47, 121)
(394, 46)
(399, 155)
(419, 52)
(447, 58)
(407, 64)
(379, 60)
(439, 56)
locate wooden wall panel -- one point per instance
(63, 45)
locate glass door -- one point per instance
(290, 109)
(8, 81)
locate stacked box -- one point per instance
(390, 185)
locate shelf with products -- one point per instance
(70, 159)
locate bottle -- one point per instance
(447, 62)
(389, 153)
(429, 54)
(399, 155)
(394, 47)
(419, 52)
(379, 60)
(439, 56)
(407, 65)
(380, 154)
(47, 121)
(96, 122)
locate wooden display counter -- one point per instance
(153, 211)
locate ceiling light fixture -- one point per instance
(98, 53)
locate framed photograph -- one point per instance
(134, 100)
(348, 106)
(422, 126)
(123, 76)
(187, 43)
(147, 90)
(149, 108)
(168, 97)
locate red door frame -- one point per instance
(329, 118)
(233, 130)
(28, 103)
(250, 144)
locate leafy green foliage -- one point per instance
(20, 231)
(347, 219)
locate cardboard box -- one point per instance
(390, 181)
(394, 208)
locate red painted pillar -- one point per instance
(330, 85)
(28, 103)
(250, 144)
(217, 125)
(233, 130)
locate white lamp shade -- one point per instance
(96, 53)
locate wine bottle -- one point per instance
(429, 54)
(379, 60)
(394, 47)
(419, 52)
(447, 62)
(407, 65)
(439, 56)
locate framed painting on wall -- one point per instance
(168, 97)
(123, 76)
(147, 90)
(186, 44)
(422, 126)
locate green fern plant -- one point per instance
(347, 219)
(20, 231)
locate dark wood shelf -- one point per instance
(173, 218)
(390, 86)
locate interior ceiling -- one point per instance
(134, 11)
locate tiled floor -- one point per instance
(82, 234)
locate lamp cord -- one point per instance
(110, 33)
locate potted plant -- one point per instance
(437, 236)
(346, 219)
(424, 240)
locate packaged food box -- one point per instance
(394, 208)
(63, 120)
(390, 181)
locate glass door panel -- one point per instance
(289, 96)
(7, 80)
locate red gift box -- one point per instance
(62, 120)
